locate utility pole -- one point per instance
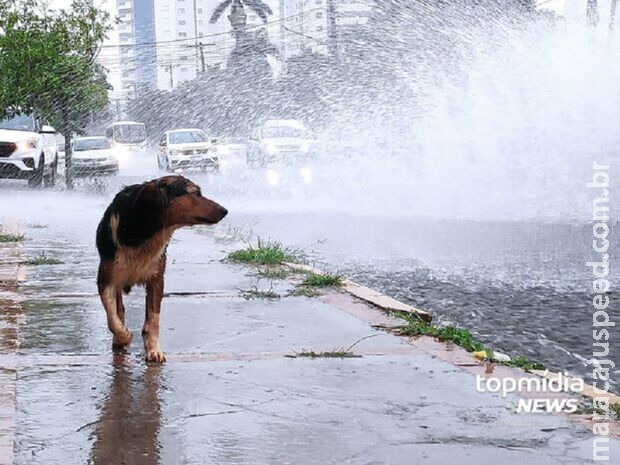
(196, 37)
(199, 50)
(332, 33)
(202, 58)
(169, 67)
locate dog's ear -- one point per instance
(144, 215)
(175, 188)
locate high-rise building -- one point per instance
(315, 25)
(304, 27)
(188, 43)
(136, 46)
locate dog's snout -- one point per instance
(223, 211)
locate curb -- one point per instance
(369, 295)
(588, 390)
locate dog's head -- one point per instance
(168, 202)
(185, 204)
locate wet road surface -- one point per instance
(228, 394)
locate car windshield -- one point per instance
(129, 133)
(187, 137)
(91, 144)
(18, 123)
(281, 131)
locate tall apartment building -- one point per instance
(162, 43)
(304, 27)
(187, 42)
(137, 57)
(314, 25)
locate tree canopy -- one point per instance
(47, 63)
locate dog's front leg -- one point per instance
(109, 295)
(150, 330)
(121, 335)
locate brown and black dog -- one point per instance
(132, 238)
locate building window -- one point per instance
(319, 28)
(181, 23)
(319, 14)
(182, 34)
(181, 10)
(200, 22)
(199, 10)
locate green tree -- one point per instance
(47, 63)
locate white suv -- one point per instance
(28, 150)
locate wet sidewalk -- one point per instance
(230, 393)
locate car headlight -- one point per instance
(306, 175)
(27, 144)
(273, 178)
(175, 153)
(305, 146)
(270, 147)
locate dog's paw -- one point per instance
(155, 356)
(122, 340)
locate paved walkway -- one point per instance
(229, 393)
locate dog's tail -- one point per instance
(127, 289)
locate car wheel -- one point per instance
(168, 167)
(37, 176)
(50, 179)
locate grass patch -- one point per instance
(273, 273)
(586, 407)
(521, 362)
(43, 260)
(334, 353)
(322, 280)
(256, 293)
(459, 336)
(303, 291)
(269, 253)
(6, 237)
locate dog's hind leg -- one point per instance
(150, 330)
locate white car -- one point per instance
(232, 153)
(93, 156)
(28, 150)
(283, 140)
(187, 150)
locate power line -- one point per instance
(215, 34)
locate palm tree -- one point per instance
(249, 47)
(237, 16)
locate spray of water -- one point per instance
(504, 126)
